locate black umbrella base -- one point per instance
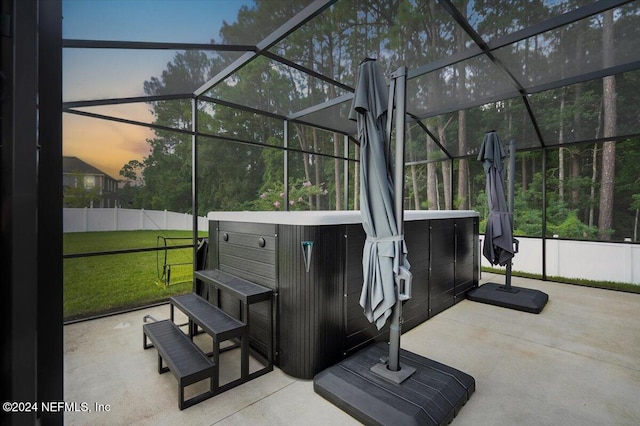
(521, 299)
(432, 395)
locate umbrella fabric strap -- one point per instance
(385, 239)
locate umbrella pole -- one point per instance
(395, 329)
(512, 168)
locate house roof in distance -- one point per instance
(74, 165)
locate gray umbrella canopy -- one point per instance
(498, 240)
(384, 250)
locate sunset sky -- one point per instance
(104, 73)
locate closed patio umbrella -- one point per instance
(369, 386)
(385, 267)
(499, 245)
(498, 241)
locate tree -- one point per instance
(605, 219)
(240, 153)
(132, 172)
(163, 179)
(131, 192)
(463, 163)
(635, 205)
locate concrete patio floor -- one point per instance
(576, 363)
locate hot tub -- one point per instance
(318, 319)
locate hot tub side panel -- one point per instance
(237, 248)
(359, 331)
(310, 304)
(467, 261)
(442, 265)
(443, 258)
(416, 310)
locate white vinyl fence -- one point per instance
(590, 260)
(87, 220)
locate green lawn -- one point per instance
(100, 284)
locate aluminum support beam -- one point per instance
(194, 183)
(144, 45)
(304, 16)
(285, 159)
(50, 338)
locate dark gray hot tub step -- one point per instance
(208, 317)
(184, 359)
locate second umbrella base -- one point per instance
(518, 298)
